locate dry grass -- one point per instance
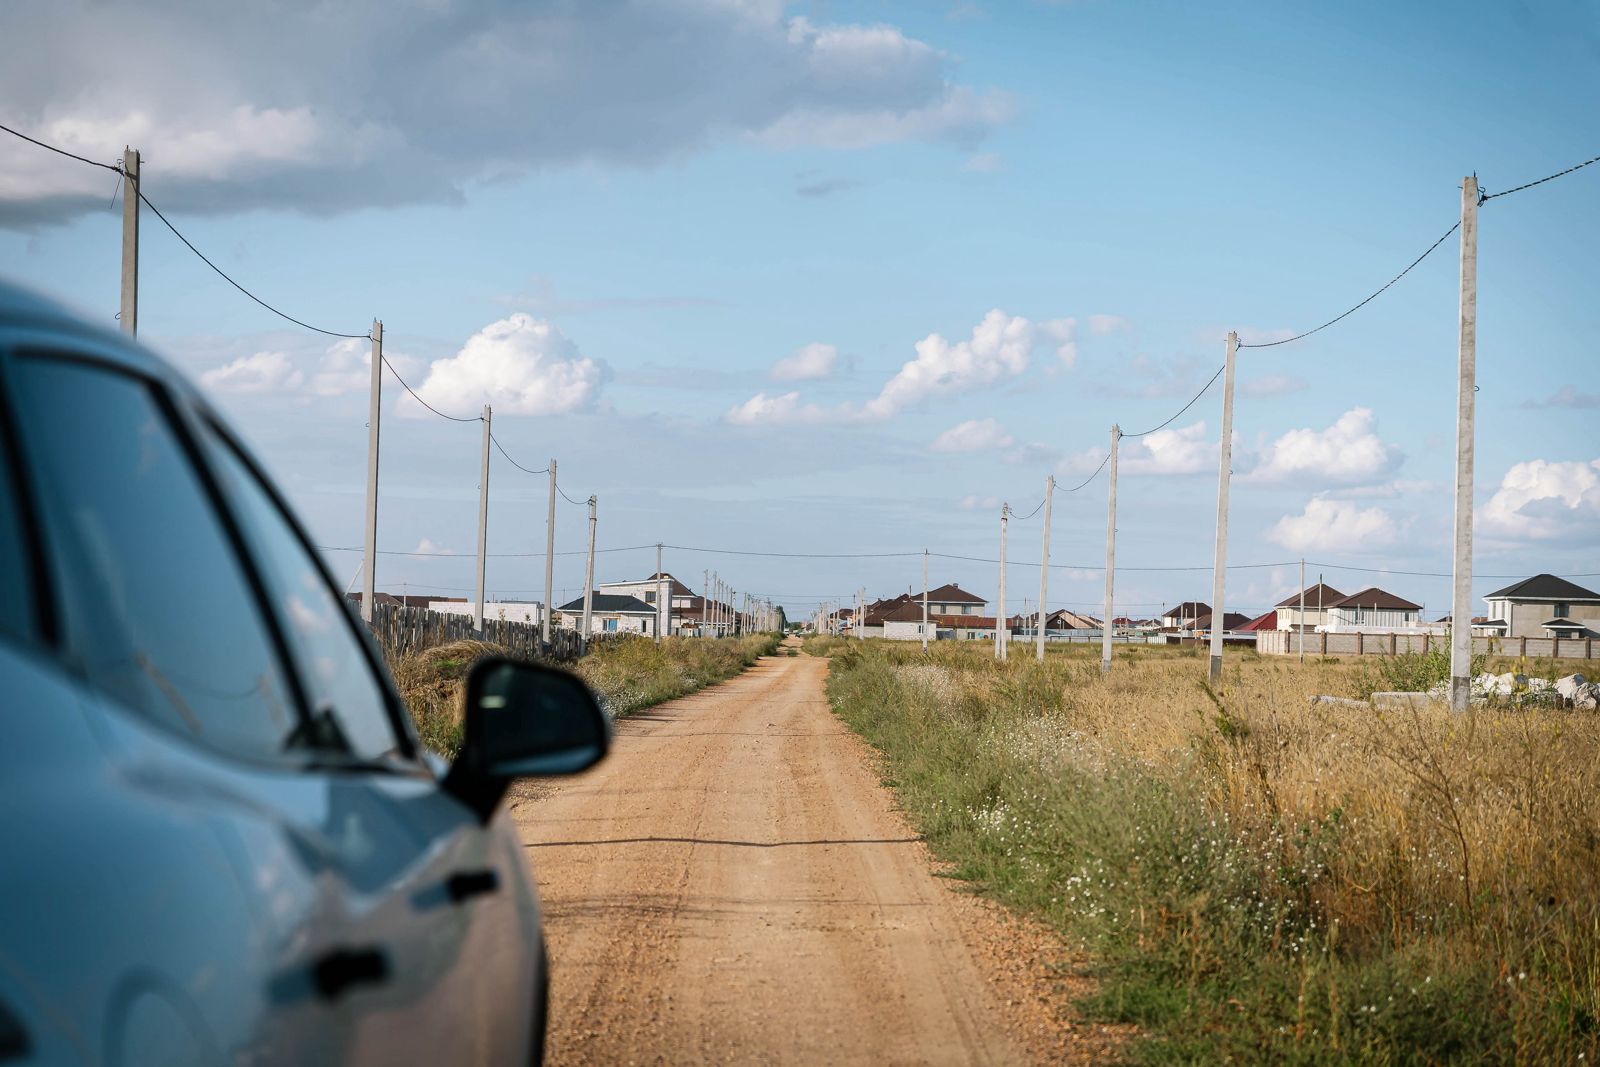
(1266, 879)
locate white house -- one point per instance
(609, 613)
(1372, 611)
(681, 597)
(1318, 598)
(529, 611)
(903, 623)
(1188, 612)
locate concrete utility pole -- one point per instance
(1466, 402)
(658, 593)
(483, 513)
(1000, 607)
(369, 542)
(1108, 623)
(1302, 622)
(705, 601)
(1220, 567)
(588, 575)
(1044, 564)
(924, 600)
(129, 316)
(549, 557)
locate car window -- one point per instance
(17, 618)
(156, 609)
(348, 708)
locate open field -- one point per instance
(626, 674)
(1261, 879)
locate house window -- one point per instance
(650, 597)
(1561, 610)
(610, 626)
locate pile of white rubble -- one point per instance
(1574, 691)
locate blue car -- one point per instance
(220, 840)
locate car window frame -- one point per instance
(68, 349)
(398, 717)
(47, 632)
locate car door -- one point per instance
(318, 923)
(446, 900)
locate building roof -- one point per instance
(1376, 598)
(952, 594)
(906, 612)
(1189, 609)
(678, 588)
(1565, 624)
(1269, 621)
(609, 603)
(1544, 587)
(1316, 594)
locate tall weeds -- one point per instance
(1263, 879)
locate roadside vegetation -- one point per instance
(1257, 878)
(627, 674)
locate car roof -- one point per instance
(27, 309)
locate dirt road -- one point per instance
(733, 886)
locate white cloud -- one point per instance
(1100, 325)
(521, 365)
(462, 92)
(816, 360)
(774, 410)
(979, 503)
(1543, 500)
(972, 436)
(346, 368)
(428, 548)
(1335, 526)
(263, 372)
(1188, 450)
(999, 348)
(1349, 451)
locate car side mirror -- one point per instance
(523, 720)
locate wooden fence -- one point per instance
(1287, 643)
(401, 630)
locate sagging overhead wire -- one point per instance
(113, 167)
(225, 277)
(503, 452)
(1485, 197)
(1169, 422)
(1346, 314)
(430, 407)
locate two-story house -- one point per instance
(1372, 611)
(1545, 606)
(1317, 600)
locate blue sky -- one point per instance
(658, 203)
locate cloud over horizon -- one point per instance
(462, 94)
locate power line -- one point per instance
(1031, 514)
(790, 555)
(430, 407)
(1169, 422)
(62, 151)
(1429, 574)
(1300, 336)
(224, 275)
(1482, 197)
(503, 452)
(1103, 463)
(568, 499)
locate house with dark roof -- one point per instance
(1372, 611)
(1187, 612)
(609, 613)
(1318, 598)
(1545, 606)
(1233, 621)
(951, 599)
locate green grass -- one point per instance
(1261, 881)
(626, 674)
